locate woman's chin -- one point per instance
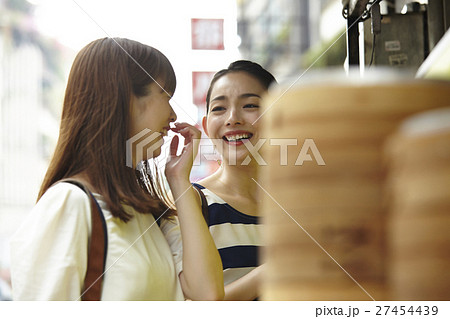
(237, 159)
(153, 155)
(156, 153)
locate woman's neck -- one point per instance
(237, 179)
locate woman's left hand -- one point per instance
(179, 166)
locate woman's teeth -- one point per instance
(238, 137)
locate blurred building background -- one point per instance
(199, 37)
(284, 35)
(30, 79)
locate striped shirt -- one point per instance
(237, 236)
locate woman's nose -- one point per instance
(173, 115)
(234, 118)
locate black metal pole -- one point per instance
(352, 41)
(435, 17)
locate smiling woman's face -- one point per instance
(233, 112)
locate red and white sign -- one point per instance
(207, 34)
(200, 84)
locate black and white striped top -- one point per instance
(237, 236)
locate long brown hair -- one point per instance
(95, 123)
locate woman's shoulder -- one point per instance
(216, 194)
(64, 207)
(209, 183)
(62, 197)
(212, 181)
(64, 190)
(203, 183)
(210, 195)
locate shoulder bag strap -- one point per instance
(98, 247)
(204, 204)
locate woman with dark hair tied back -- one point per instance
(115, 115)
(233, 110)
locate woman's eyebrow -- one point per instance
(242, 96)
(219, 98)
(246, 95)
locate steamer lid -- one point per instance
(429, 122)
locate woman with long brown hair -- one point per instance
(115, 114)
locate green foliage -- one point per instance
(333, 53)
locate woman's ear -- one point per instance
(205, 129)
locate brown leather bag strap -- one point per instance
(204, 203)
(98, 247)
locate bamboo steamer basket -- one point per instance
(341, 204)
(312, 290)
(419, 187)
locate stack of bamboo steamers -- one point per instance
(326, 225)
(419, 187)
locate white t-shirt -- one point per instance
(49, 252)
